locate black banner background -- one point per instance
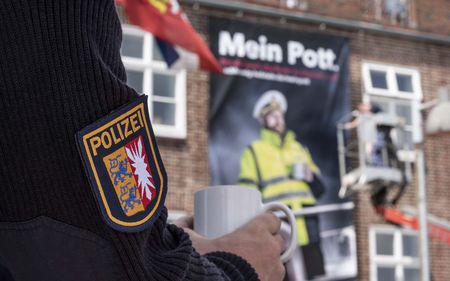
(313, 110)
(317, 98)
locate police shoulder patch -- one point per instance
(125, 170)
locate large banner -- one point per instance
(273, 122)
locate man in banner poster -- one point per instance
(283, 170)
(284, 91)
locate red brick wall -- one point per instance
(425, 15)
(349, 9)
(434, 16)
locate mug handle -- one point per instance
(278, 206)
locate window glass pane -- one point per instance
(410, 246)
(396, 11)
(386, 273)
(164, 113)
(132, 46)
(378, 79)
(135, 79)
(157, 52)
(404, 83)
(164, 85)
(385, 244)
(402, 110)
(411, 274)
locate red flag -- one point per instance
(166, 20)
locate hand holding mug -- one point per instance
(257, 241)
(221, 210)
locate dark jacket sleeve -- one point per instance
(5, 275)
(61, 70)
(234, 267)
(169, 255)
(212, 266)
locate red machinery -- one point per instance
(437, 228)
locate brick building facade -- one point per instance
(419, 39)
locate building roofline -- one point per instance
(329, 21)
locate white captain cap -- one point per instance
(270, 100)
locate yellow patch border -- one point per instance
(100, 187)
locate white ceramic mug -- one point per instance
(301, 171)
(219, 210)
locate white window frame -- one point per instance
(392, 90)
(150, 66)
(415, 97)
(397, 260)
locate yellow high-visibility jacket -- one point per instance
(267, 165)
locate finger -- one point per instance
(282, 270)
(280, 242)
(272, 222)
(279, 272)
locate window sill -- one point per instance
(169, 132)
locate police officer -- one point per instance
(66, 211)
(283, 170)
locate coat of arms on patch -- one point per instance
(124, 167)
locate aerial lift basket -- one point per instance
(357, 148)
